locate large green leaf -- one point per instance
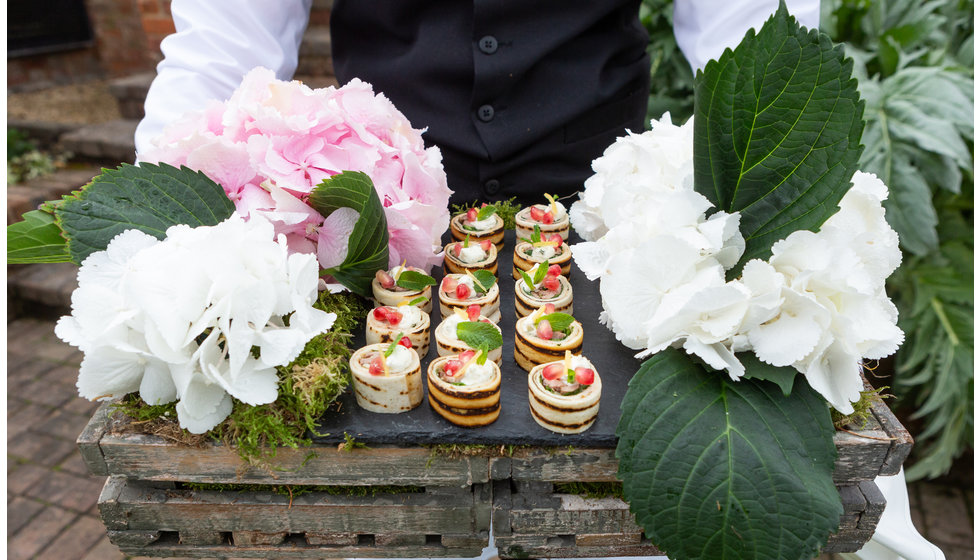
(367, 248)
(36, 239)
(150, 198)
(777, 129)
(719, 469)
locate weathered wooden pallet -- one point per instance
(877, 448)
(150, 519)
(531, 520)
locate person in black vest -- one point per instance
(520, 96)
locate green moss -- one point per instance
(591, 489)
(351, 444)
(308, 386)
(506, 209)
(299, 489)
(862, 409)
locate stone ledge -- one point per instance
(111, 141)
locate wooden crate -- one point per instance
(149, 512)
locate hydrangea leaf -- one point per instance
(777, 131)
(36, 239)
(367, 248)
(150, 198)
(726, 470)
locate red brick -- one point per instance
(26, 418)
(41, 392)
(64, 425)
(158, 26)
(74, 464)
(77, 493)
(40, 448)
(37, 534)
(940, 505)
(76, 541)
(24, 477)
(149, 7)
(19, 512)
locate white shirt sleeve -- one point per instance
(216, 43)
(705, 28)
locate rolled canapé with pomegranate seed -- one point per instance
(541, 285)
(550, 218)
(460, 291)
(410, 284)
(544, 336)
(448, 341)
(540, 248)
(463, 391)
(470, 255)
(387, 384)
(564, 395)
(480, 224)
(384, 322)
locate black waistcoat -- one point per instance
(520, 95)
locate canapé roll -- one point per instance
(392, 294)
(536, 342)
(562, 406)
(385, 322)
(491, 229)
(458, 259)
(387, 385)
(526, 300)
(449, 344)
(470, 397)
(527, 254)
(550, 218)
(457, 291)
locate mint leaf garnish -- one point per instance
(414, 280)
(479, 335)
(540, 273)
(486, 212)
(527, 280)
(483, 280)
(418, 300)
(536, 236)
(394, 343)
(559, 321)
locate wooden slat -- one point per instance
(151, 458)
(901, 444)
(89, 441)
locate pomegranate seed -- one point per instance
(386, 280)
(537, 214)
(552, 371)
(471, 215)
(556, 239)
(484, 205)
(381, 313)
(457, 249)
(405, 342)
(485, 245)
(544, 330)
(549, 308)
(584, 376)
(452, 366)
(449, 284)
(467, 356)
(473, 312)
(548, 218)
(376, 366)
(394, 317)
(462, 291)
(551, 283)
(554, 270)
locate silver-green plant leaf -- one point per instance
(726, 470)
(150, 198)
(367, 247)
(777, 131)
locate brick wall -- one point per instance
(157, 24)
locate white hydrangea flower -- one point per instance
(178, 319)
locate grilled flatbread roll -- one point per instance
(395, 295)
(566, 408)
(527, 254)
(470, 399)
(474, 257)
(385, 322)
(395, 386)
(448, 301)
(448, 344)
(491, 229)
(530, 349)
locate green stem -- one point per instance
(937, 306)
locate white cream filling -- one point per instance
(472, 254)
(526, 326)
(411, 317)
(581, 361)
(543, 252)
(482, 225)
(399, 360)
(448, 327)
(476, 374)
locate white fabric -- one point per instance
(705, 28)
(216, 44)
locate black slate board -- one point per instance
(614, 363)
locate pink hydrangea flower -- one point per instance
(272, 142)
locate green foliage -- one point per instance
(18, 143)
(591, 489)
(777, 131)
(918, 62)
(36, 239)
(25, 161)
(351, 444)
(862, 408)
(671, 79)
(720, 469)
(150, 198)
(367, 247)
